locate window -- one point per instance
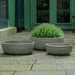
(42, 11)
(3, 13)
(3, 9)
(63, 11)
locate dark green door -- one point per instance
(56, 12)
(73, 15)
(19, 14)
(63, 19)
(43, 11)
(40, 12)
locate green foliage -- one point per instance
(47, 30)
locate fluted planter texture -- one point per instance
(40, 43)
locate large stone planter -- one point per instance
(18, 47)
(59, 48)
(40, 43)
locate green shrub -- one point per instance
(47, 30)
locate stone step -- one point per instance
(41, 73)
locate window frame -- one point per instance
(63, 15)
(52, 15)
(4, 21)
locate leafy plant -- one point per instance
(47, 30)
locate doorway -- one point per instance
(42, 10)
(56, 12)
(19, 14)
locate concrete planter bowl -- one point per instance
(59, 48)
(40, 43)
(18, 47)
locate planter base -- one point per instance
(18, 54)
(58, 54)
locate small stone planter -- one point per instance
(59, 48)
(40, 43)
(18, 47)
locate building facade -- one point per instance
(26, 14)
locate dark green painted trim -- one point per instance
(64, 26)
(33, 13)
(27, 14)
(73, 13)
(0, 9)
(11, 11)
(53, 11)
(19, 16)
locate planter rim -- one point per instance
(18, 42)
(47, 38)
(59, 44)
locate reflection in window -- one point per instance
(42, 11)
(3, 9)
(63, 11)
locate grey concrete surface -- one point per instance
(39, 62)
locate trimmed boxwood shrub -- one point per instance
(47, 30)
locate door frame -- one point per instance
(11, 13)
(65, 25)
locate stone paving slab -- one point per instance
(44, 56)
(44, 67)
(1, 51)
(6, 62)
(14, 61)
(15, 67)
(41, 73)
(7, 58)
(70, 72)
(56, 61)
(7, 73)
(0, 48)
(66, 67)
(40, 60)
(26, 61)
(0, 45)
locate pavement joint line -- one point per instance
(56, 66)
(14, 73)
(35, 61)
(31, 67)
(66, 72)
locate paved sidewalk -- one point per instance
(39, 63)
